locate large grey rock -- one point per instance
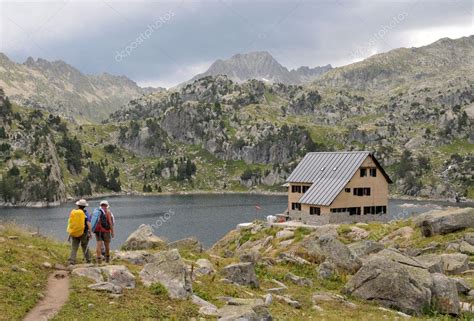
(139, 257)
(119, 275)
(433, 262)
(365, 247)
(106, 287)
(142, 239)
(357, 233)
(326, 270)
(204, 267)
(469, 238)
(466, 248)
(298, 280)
(190, 243)
(168, 269)
(393, 281)
(252, 256)
(455, 263)
(339, 254)
(92, 273)
(445, 221)
(206, 308)
(241, 273)
(244, 310)
(285, 234)
(289, 257)
(461, 285)
(444, 294)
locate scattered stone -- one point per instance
(326, 270)
(267, 241)
(292, 258)
(466, 248)
(268, 299)
(251, 256)
(286, 243)
(466, 307)
(168, 269)
(244, 312)
(445, 221)
(119, 275)
(365, 247)
(339, 254)
(455, 263)
(61, 267)
(40, 296)
(404, 233)
(206, 308)
(238, 301)
(357, 233)
(92, 273)
(298, 280)
(452, 247)
(138, 257)
(105, 287)
(319, 297)
(190, 243)
(15, 268)
(90, 306)
(461, 285)
(47, 265)
(142, 239)
(293, 303)
(469, 238)
(115, 296)
(241, 273)
(471, 293)
(204, 267)
(285, 234)
(277, 290)
(444, 294)
(13, 237)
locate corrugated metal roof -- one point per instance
(329, 172)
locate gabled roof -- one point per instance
(329, 172)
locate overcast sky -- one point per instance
(162, 43)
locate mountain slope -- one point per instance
(261, 65)
(405, 66)
(60, 88)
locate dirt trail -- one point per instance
(57, 293)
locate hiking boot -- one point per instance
(99, 260)
(107, 259)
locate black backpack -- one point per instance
(103, 220)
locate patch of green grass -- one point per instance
(158, 289)
(458, 146)
(300, 233)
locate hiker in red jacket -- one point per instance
(104, 232)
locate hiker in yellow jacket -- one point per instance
(79, 230)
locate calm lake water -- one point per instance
(207, 217)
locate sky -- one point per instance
(163, 43)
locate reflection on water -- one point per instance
(207, 217)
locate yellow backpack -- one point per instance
(76, 223)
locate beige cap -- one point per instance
(82, 202)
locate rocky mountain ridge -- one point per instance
(260, 65)
(62, 89)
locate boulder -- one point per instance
(244, 313)
(168, 269)
(138, 257)
(394, 281)
(285, 234)
(292, 258)
(433, 262)
(250, 256)
(288, 300)
(106, 287)
(190, 243)
(455, 263)
(119, 275)
(445, 221)
(320, 297)
(206, 308)
(466, 248)
(403, 233)
(461, 285)
(143, 239)
(298, 280)
(444, 294)
(339, 254)
(326, 270)
(365, 247)
(204, 267)
(92, 273)
(241, 273)
(469, 238)
(357, 233)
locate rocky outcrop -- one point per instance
(119, 275)
(444, 294)
(445, 221)
(241, 273)
(339, 254)
(142, 239)
(190, 243)
(168, 269)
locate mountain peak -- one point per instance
(260, 65)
